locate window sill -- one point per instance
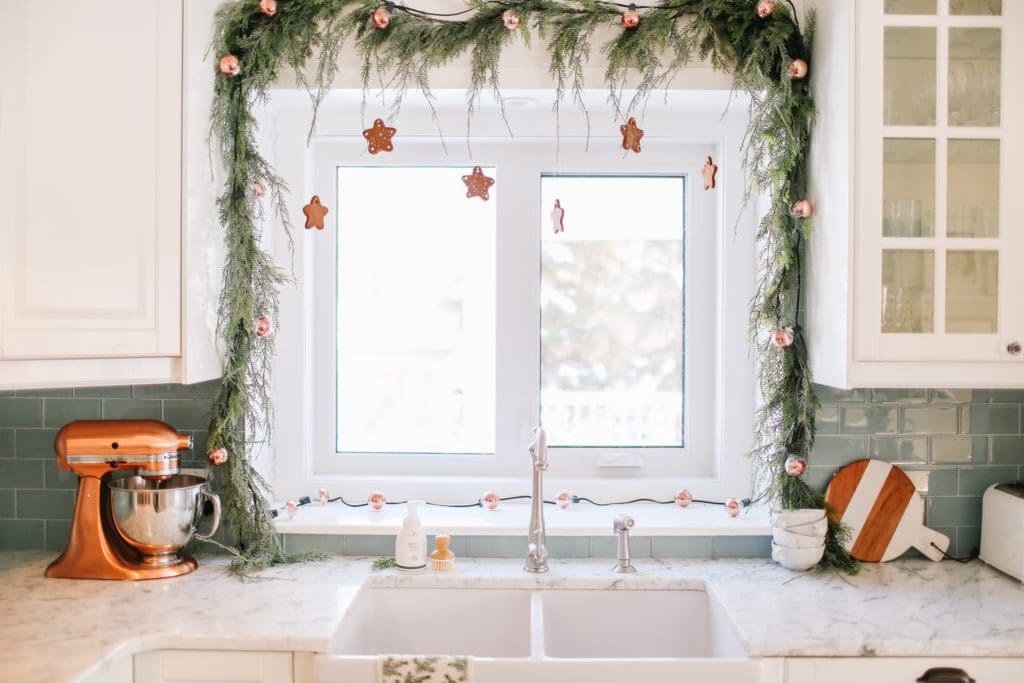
(512, 519)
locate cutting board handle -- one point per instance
(925, 540)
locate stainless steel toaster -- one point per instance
(1002, 528)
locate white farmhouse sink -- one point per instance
(630, 624)
(434, 621)
(543, 634)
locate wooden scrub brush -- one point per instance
(442, 559)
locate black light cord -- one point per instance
(962, 560)
(306, 500)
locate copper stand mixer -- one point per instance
(131, 527)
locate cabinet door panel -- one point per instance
(200, 666)
(935, 236)
(900, 670)
(90, 178)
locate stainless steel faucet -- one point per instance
(621, 527)
(537, 555)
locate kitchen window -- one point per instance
(429, 332)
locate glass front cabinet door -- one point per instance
(936, 209)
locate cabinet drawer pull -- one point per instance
(944, 674)
(1013, 348)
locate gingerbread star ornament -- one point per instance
(477, 184)
(315, 212)
(378, 137)
(709, 171)
(631, 136)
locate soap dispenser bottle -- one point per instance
(411, 542)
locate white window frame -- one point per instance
(720, 259)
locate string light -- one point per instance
(323, 499)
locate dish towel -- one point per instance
(406, 669)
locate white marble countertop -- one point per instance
(59, 630)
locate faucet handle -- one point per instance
(539, 448)
(623, 523)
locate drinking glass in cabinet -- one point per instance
(909, 95)
(976, 7)
(972, 299)
(910, 6)
(908, 193)
(973, 188)
(908, 286)
(974, 76)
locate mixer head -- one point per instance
(97, 447)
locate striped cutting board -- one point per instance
(883, 511)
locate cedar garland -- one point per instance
(728, 33)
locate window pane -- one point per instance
(416, 312)
(612, 311)
(909, 92)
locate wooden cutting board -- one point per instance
(883, 511)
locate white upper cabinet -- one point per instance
(917, 259)
(94, 243)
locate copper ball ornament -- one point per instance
(324, 496)
(217, 456)
(563, 499)
(733, 507)
(510, 19)
(230, 66)
(630, 18)
(377, 501)
(293, 508)
(765, 8)
(268, 8)
(381, 18)
(783, 337)
(260, 189)
(264, 326)
(795, 466)
(797, 70)
(803, 209)
(684, 498)
(490, 500)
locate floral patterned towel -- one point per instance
(397, 669)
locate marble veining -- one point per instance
(57, 630)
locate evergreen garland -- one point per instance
(729, 33)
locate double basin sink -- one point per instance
(539, 634)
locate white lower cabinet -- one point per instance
(904, 670)
(211, 666)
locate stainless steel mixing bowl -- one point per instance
(158, 518)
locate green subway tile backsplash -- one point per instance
(21, 412)
(132, 409)
(21, 474)
(990, 419)
(57, 412)
(7, 503)
(963, 439)
(33, 443)
(1007, 450)
(37, 498)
